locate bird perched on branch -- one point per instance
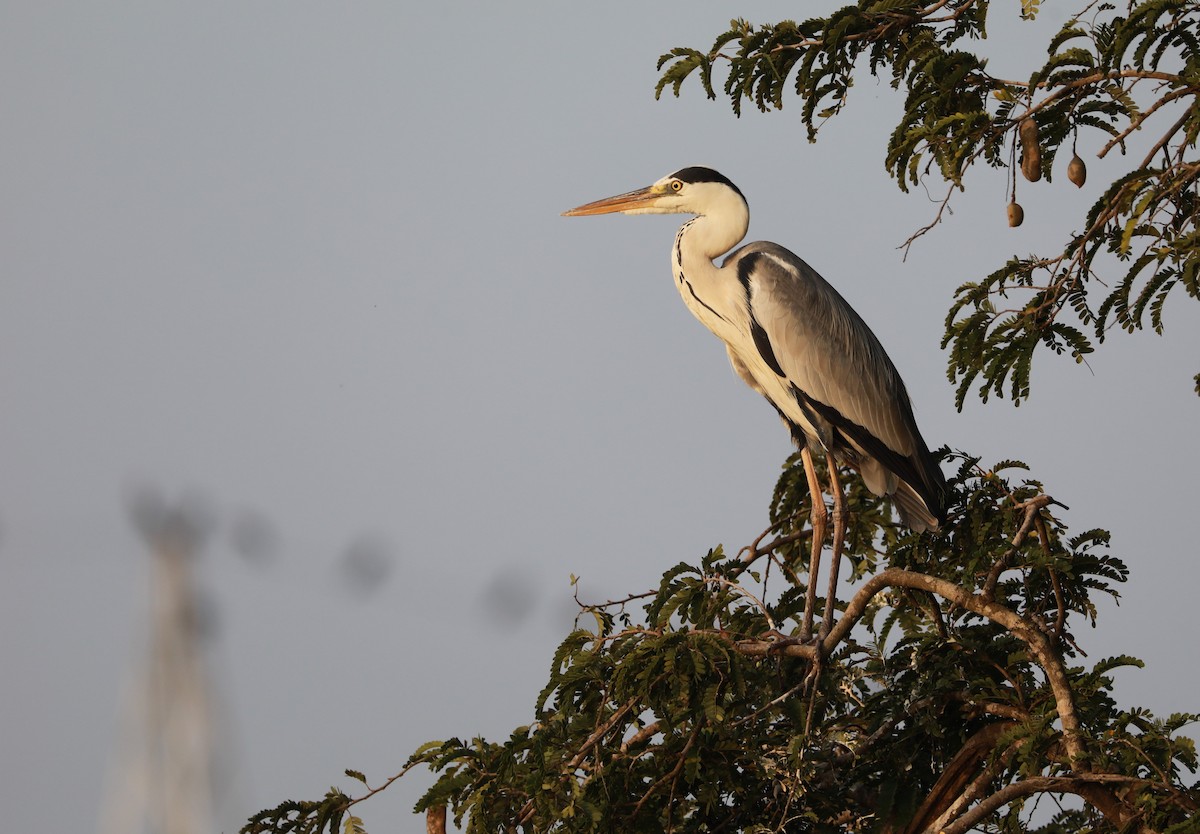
(792, 338)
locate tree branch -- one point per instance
(1025, 630)
(958, 774)
(1032, 508)
(1086, 786)
(526, 812)
(1145, 114)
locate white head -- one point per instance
(694, 190)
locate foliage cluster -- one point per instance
(1110, 73)
(946, 694)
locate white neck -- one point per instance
(708, 236)
(704, 287)
(713, 233)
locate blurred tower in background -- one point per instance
(162, 779)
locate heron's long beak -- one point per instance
(640, 199)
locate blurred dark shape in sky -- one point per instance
(174, 531)
(254, 537)
(509, 597)
(367, 563)
(181, 527)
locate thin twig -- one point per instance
(1032, 509)
(372, 791)
(762, 606)
(673, 775)
(1166, 137)
(1135, 124)
(771, 704)
(937, 218)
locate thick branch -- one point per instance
(1088, 788)
(1039, 646)
(962, 770)
(1026, 631)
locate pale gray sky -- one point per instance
(307, 261)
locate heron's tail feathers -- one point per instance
(914, 513)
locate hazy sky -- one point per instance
(306, 261)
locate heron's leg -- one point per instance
(839, 539)
(818, 517)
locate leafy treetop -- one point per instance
(950, 694)
(1110, 72)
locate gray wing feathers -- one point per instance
(827, 350)
(829, 353)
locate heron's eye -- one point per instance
(676, 185)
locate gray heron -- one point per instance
(793, 338)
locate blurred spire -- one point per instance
(162, 779)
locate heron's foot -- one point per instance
(818, 661)
(827, 625)
(810, 634)
(780, 641)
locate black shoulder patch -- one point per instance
(763, 343)
(697, 173)
(745, 267)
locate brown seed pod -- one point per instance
(1016, 214)
(1031, 154)
(1077, 171)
